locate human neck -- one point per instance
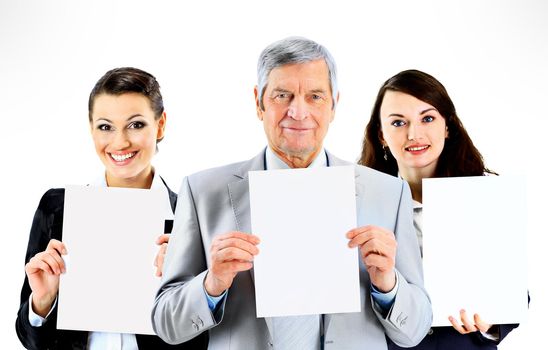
(298, 161)
(142, 180)
(414, 178)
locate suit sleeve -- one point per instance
(47, 220)
(180, 311)
(410, 316)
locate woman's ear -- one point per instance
(161, 127)
(381, 139)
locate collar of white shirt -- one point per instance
(274, 162)
(157, 183)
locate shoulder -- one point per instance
(382, 188)
(53, 200)
(369, 176)
(228, 169)
(372, 176)
(221, 175)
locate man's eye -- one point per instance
(316, 97)
(398, 123)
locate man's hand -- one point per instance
(231, 253)
(378, 251)
(162, 241)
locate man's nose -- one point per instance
(298, 109)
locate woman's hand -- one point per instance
(467, 326)
(162, 241)
(43, 271)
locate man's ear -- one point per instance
(334, 107)
(258, 103)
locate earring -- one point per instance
(385, 153)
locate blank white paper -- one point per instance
(304, 265)
(110, 282)
(474, 244)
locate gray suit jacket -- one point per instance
(216, 201)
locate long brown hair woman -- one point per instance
(414, 132)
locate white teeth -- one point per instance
(414, 149)
(121, 158)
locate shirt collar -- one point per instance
(157, 183)
(273, 162)
(101, 181)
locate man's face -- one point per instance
(298, 107)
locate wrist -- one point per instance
(387, 284)
(42, 306)
(211, 286)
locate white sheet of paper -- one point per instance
(304, 265)
(474, 231)
(110, 236)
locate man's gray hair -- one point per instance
(290, 51)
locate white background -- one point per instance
(491, 56)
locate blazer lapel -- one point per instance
(239, 198)
(239, 194)
(238, 191)
(334, 161)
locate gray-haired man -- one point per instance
(207, 283)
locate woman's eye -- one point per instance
(398, 123)
(428, 119)
(136, 125)
(104, 127)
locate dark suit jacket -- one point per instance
(48, 224)
(447, 338)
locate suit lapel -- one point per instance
(238, 191)
(334, 161)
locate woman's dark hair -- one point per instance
(123, 80)
(459, 156)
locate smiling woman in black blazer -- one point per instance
(415, 133)
(127, 120)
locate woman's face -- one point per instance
(414, 131)
(125, 134)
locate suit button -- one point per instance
(430, 331)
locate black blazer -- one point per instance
(447, 338)
(48, 224)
